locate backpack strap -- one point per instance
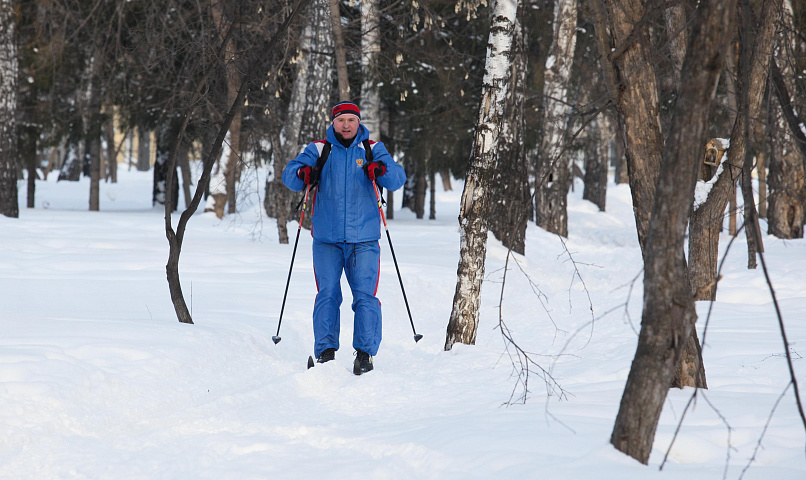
(368, 150)
(320, 162)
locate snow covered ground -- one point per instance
(98, 380)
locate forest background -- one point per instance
(559, 89)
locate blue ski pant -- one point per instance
(361, 263)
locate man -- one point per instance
(346, 229)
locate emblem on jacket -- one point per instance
(360, 162)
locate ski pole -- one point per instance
(277, 338)
(417, 336)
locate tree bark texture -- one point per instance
(474, 209)
(94, 129)
(110, 171)
(341, 55)
(432, 191)
(165, 137)
(675, 18)
(370, 50)
(787, 182)
(28, 154)
(552, 176)
(307, 114)
(71, 165)
(761, 170)
(668, 316)
(224, 185)
(143, 149)
(632, 83)
(706, 219)
(9, 205)
(510, 212)
(596, 163)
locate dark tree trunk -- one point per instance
(419, 194)
(630, 74)
(409, 187)
(620, 176)
(9, 205)
(668, 317)
(432, 190)
(111, 149)
(706, 220)
(95, 123)
(28, 155)
(94, 146)
(787, 175)
(143, 149)
(165, 138)
(596, 160)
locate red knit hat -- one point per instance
(343, 108)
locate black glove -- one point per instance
(374, 170)
(309, 175)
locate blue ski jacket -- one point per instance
(345, 208)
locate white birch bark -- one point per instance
(370, 49)
(289, 136)
(474, 208)
(8, 106)
(308, 110)
(552, 173)
(320, 68)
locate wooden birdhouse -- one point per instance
(714, 150)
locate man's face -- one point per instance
(346, 125)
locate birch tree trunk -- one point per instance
(9, 205)
(510, 213)
(289, 135)
(474, 209)
(787, 176)
(308, 111)
(668, 316)
(552, 175)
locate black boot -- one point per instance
(363, 362)
(326, 356)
